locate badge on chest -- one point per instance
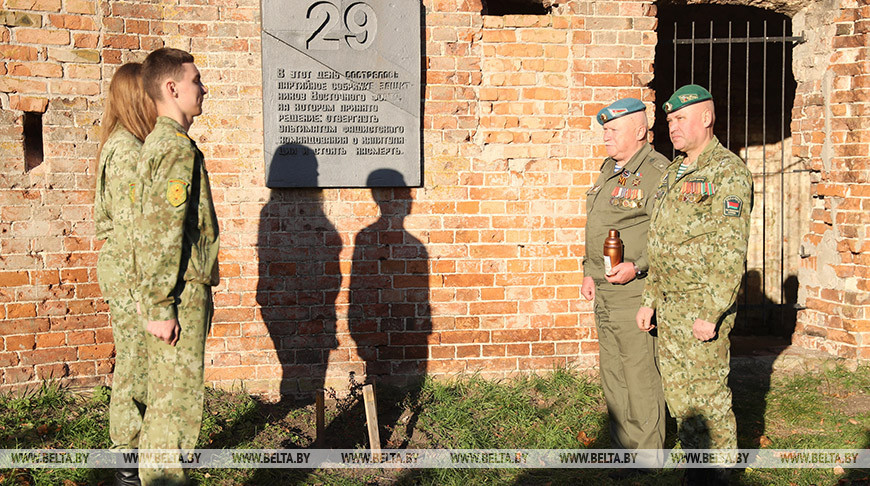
(696, 190)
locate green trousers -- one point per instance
(129, 386)
(629, 374)
(695, 374)
(175, 386)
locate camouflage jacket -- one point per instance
(178, 233)
(700, 231)
(622, 201)
(113, 211)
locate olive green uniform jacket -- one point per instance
(699, 234)
(115, 221)
(622, 201)
(113, 212)
(178, 239)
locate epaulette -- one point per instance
(661, 163)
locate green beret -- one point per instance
(685, 96)
(619, 108)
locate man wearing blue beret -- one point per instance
(623, 199)
(697, 248)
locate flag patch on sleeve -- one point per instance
(733, 206)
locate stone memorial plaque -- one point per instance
(341, 92)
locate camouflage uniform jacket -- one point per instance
(178, 235)
(113, 210)
(700, 231)
(622, 201)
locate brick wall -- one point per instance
(54, 324)
(831, 127)
(476, 271)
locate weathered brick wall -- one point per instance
(831, 127)
(482, 262)
(53, 322)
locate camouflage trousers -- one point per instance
(175, 386)
(695, 374)
(629, 374)
(129, 387)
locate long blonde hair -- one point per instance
(128, 104)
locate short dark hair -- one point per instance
(163, 63)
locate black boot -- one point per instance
(127, 477)
(719, 476)
(694, 477)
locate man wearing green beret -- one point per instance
(622, 199)
(696, 249)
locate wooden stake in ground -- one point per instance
(319, 418)
(372, 421)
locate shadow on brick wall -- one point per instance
(389, 316)
(298, 250)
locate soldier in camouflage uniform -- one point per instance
(128, 117)
(176, 254)
(697, 248)
(622, 199)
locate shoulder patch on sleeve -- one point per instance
(733, 206)
(133, 192)
(176, 192)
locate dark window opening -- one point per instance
(515, 7)
(33, 153)
(742, 55)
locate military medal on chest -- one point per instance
(623, 178)
(626, 197)
(696, 190)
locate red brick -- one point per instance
(53, 355)
(18, 375)
(42, 5)
(35, 69)
(468, 351)
(518, 349)
(13, 279)
(72, 22)
(12, 85)
(52, 371)
(50, 340)
(76, 338)
(121, 41)
(20, 343)
(81, 6)
(86, 41)
(515, 335)
(42, 36)
(28, 103)
(608, 79)
(464, 337)
(24, 326)
(76, 87)
(8, 360)
(17, 311)
(484, 308)
(97, 351)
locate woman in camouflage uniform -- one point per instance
(128, 118)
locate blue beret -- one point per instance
(685, 96)
(619, 108)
